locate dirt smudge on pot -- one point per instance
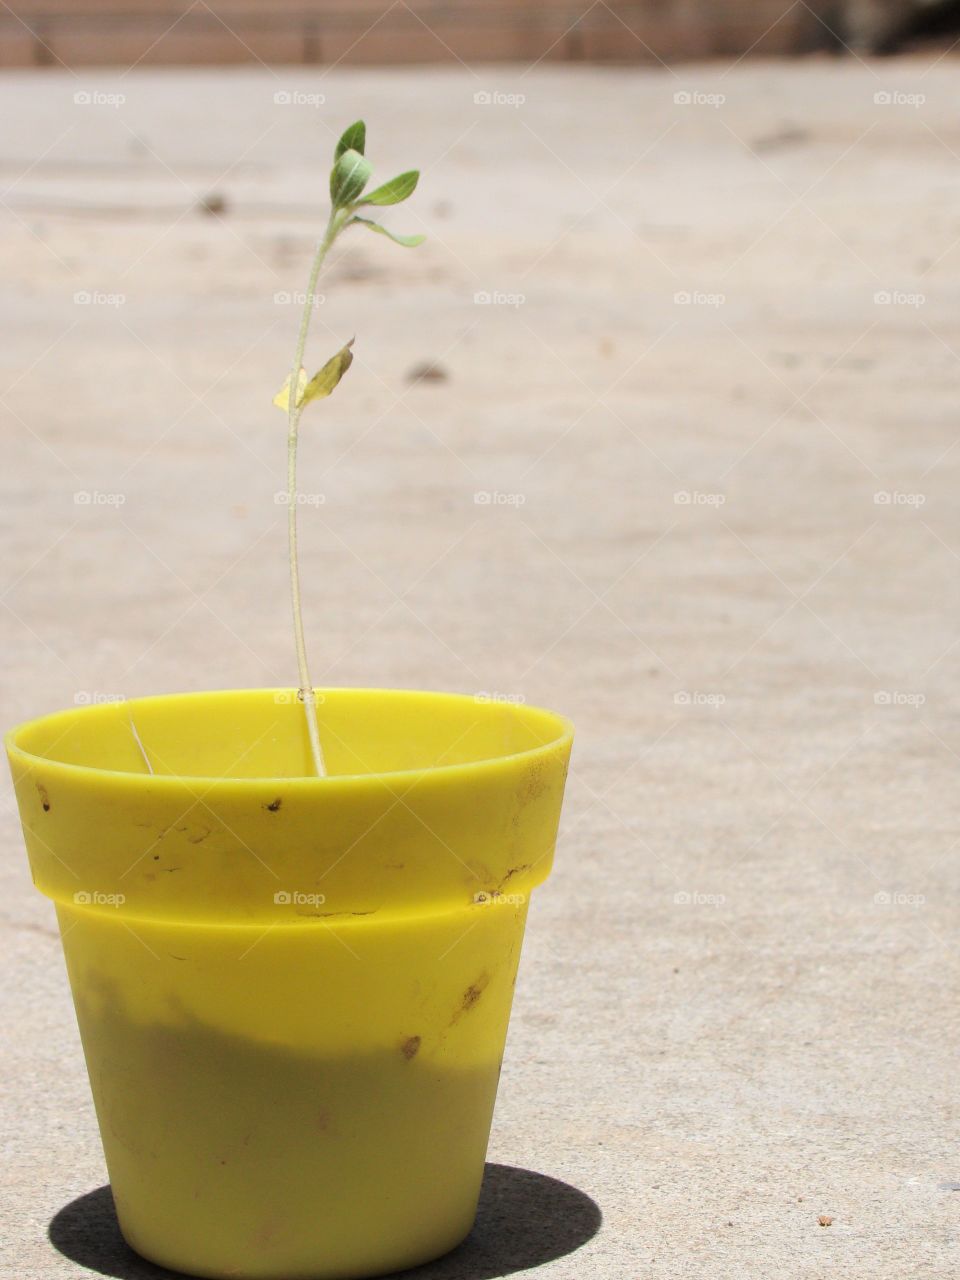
(514, 871)
(533, 785)
(199, 835)
(470, 997)
(410, 1047)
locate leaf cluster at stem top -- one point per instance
(348, 181)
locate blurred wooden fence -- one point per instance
(124, 32)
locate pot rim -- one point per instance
(32, 759)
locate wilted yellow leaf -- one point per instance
(322, 383)
(282, 398)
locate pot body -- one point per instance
(293, 993)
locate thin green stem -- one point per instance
(295, 409)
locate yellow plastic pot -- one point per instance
(293, 992)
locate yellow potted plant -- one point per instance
(292, 923)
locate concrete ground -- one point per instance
(690, 475)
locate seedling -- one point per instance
(348, 180)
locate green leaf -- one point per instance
(324, 382)
(348, 178)
(409, 242)
(397, 189)
(353, 138)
